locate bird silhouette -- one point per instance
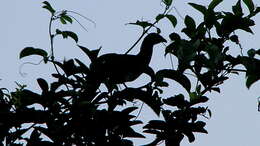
(120, 68)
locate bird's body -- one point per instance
(120, 68)
(117, 68)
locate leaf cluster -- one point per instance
(73, 111)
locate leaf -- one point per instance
(67, 18)
(237, 9)
(252, 69)
(257, 10)
(195, 98)
(167, 2)
(129, 110)
(159, 17)
(190, 136)
(72, 35)
(250, 5)
(210, 113)
(156, 124)
(214, 3)
(66, 34)
(48, 7)
(43, 84)
(258, 51)
(82, 66)
(200, 8)
(216, 89)
(176, 76)
(25, 97)
(190, 23)
(172, 19)
(143, 24)
(33, 51)
(92, 54)
(199, 127)
(156, 141)
(62, 20)
(35, 136)
(129, 132)
(130, 94)
(234, 38)
(177, 100)
(174, 36)
(251, 79)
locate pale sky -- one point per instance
(235, 120)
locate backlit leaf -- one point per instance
(62, 20)
(250, 5)
(67, 18)
(48, 7)
(214, 3)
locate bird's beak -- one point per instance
(164, 40)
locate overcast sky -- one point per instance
(235, 120)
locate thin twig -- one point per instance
(52, 48)
(178, 13)
(144, 32)
(139, 112)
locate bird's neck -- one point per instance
(146, 52)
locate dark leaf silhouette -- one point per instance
(32, 51)
(214, 3)
(176, 76)
(152, 101)
(43, 84)
(143, 24)
(198, 7)
(172, 19)
(167, 2)
(66, 34)
(92, 54)
(250, 5)
(66, 18)
(48, 7)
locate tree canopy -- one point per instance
(75, 110)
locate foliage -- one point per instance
(71, 114)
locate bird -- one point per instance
(120, 68)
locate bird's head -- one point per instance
(154, 38)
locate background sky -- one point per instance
(235, 120)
